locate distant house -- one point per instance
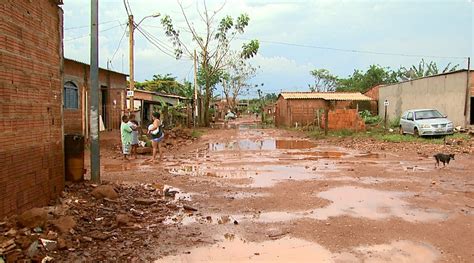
(146, 102)
(76, 92)
(451, 93)
(305, 108)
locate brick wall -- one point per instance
(303, 111)
(31, 139)
(340, 119)
(112, 83)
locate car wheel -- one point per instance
(416, 133)
(401, 130)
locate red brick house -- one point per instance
(373, 93)
(113, 88)
(31, 127)
(306, 108)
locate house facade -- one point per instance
(307, 108)
(451, 93)
(31, 94)
(76, 93)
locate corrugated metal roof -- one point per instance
(354, 96)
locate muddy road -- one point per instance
(269, 195)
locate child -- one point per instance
(126, 135)
(134, 125)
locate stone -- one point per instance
(32, 218)
(50, 245)
(11, 233)
(190, 208)
(122, 219)
(64, 224)
(32, 249)
(62, 244)
(105, 191)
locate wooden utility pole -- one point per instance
(131, 78)
(467, 103)
(195, 106)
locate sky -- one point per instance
(295, 36)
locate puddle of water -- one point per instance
(238, 250)
(287, 249)
(265, 145)
(399, 251)
(321, 154)
(358, 202)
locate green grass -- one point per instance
(196, 133)
(381, 135)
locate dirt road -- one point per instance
(275, 196)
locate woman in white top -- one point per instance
(157, 135)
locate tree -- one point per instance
(424, 69)
(167, 84)
(213, 45)
(362, 81)
(323, 81)
(235, 79)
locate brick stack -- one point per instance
(344, 119)
(31, 140)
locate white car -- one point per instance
(424, 122)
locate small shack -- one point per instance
(147, 102)
(308, 108)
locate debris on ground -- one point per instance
(90, 223)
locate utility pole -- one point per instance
(467, 103)
(131, 27)
(195, 90)
(94, 77)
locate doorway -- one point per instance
(104, 99)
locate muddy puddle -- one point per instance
(262, 145)
(288, 249)
(357, 202)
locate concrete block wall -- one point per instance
(31, 137)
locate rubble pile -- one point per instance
(178, 137)
(90, 223)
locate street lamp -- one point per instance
(132, 27)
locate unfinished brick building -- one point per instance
(31, 138)
(307, 108)
(113, 88)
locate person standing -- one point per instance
(134, 125)
(126, 136)
(157, 135)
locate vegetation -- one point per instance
(167, 84)
(361, 80)
(369, 118)
(196, 133)
(213, 45)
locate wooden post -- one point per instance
(468, 94)
(195, 108)
(385, 117)
(326, 119)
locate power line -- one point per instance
(355, 50)
(155, 43)
(83, 36)
(118, 47)
(84, 26)
(162, 43)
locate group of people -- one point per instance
(130, 130)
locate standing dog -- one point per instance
(444, 158)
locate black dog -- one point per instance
(444, 158)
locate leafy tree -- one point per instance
(362, 81)
(166, 84)
(424, 69)
(235, 79)
(213, 45)
(324, 81)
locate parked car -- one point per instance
(424, 122)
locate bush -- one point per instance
(368, 118)
(395, 123)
